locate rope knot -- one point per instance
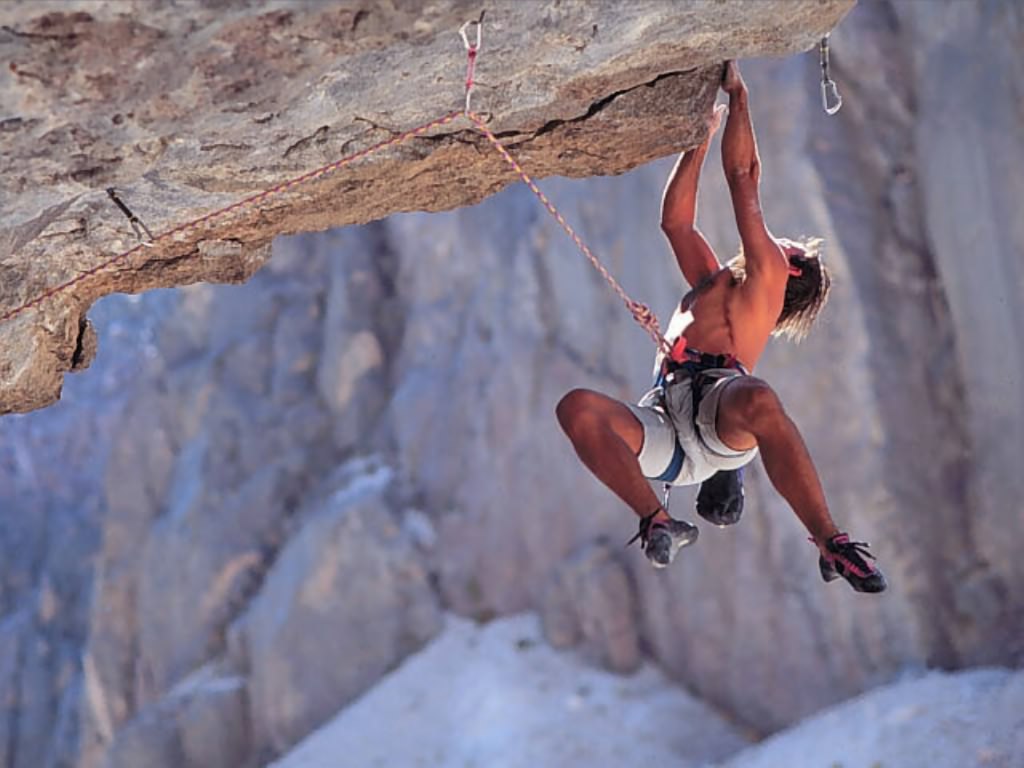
(642, 313)
(649, 322)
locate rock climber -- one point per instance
(706, 416)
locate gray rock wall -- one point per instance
(163, 518)
(189, 110)
(969, 150)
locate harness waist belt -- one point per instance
(686, 362)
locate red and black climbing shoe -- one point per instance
(661, 540)
(849, 559)
(720, 498)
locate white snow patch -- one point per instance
(420, 528)
(496, 696)
(206, 679)
(361, 477)
(972, 719)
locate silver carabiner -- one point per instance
(830, 93)
(479, 29)
(831, 101)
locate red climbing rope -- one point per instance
(641, 312)
(221, 212)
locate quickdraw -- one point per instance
(831, 101)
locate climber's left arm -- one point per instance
(679, 218)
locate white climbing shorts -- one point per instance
(679, 447)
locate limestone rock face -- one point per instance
(161, 516)
(591, 604)
(186, 111)
(346, 600)
(201, 723)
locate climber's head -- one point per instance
(807, 289)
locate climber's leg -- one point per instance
(749, 414)
(608, 439)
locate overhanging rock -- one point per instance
(185, 111)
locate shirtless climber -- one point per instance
(706, 416)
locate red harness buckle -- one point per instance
(678, 353)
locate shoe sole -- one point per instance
(870, 588)
(720, 521)
(677, 544)
(830, 574)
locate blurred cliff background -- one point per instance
(261, 500)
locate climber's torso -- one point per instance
(726, 316)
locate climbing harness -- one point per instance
(685, 362)
(831, 101)
(640, 312)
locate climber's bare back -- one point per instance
(725, 316)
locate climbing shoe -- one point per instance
(661, 540)
(849, 559)
(720, 498)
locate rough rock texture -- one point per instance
(590, 603)
(186, 109)
(942, 272)
(140, 516)
(202, 723)
(345, 601)
(53, 507)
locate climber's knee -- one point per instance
(749, 407)
(583, 414)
